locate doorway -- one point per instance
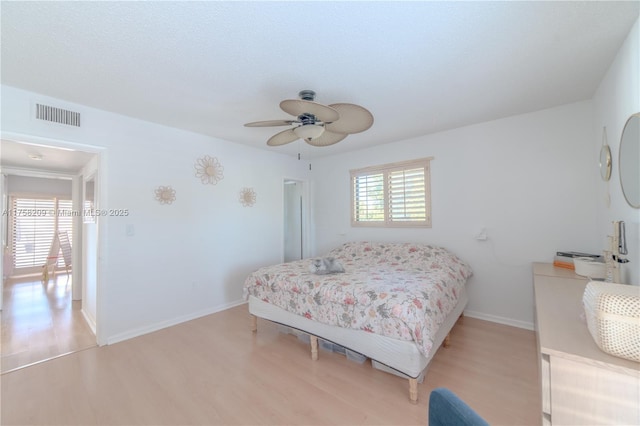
(294, 220)
(44, 318)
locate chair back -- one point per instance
(447, 409)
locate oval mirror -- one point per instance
(605, 162)
(629, 161)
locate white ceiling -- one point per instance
(210, 67)
(19, 156)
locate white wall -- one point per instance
(617, 97)
(185, 259)
(527, 179)
(35, 185)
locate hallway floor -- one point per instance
(40, 322)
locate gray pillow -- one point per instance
(325, 265)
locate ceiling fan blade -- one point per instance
(326, 139)
(270, 123)
(353, 119)
(300, 106)
(282, 138)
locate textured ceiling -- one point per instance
(210, 67)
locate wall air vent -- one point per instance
(57, 115)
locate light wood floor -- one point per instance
(40, 321)
(214, 371)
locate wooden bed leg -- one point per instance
(461, 318)
(314, 347)
(254, 322)
(413, 391)
(447, 341)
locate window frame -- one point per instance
(386, 170)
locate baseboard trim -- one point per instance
(178, 320)
(90, 321)
(169, 323)
(500, 320)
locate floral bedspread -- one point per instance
(401, 290)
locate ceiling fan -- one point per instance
(317, 124)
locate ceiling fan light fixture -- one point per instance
(36, 157)
(317, 124)
(309, 131)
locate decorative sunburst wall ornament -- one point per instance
(165, 194)
(209, 170)
(247, 197)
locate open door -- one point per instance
(294, 223)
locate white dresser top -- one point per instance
(562, 329)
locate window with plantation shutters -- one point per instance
(369, 197)
(34, 222)
(407, 201)
(388, 195)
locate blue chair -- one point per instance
(446, 409)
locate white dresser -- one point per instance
(581, 384)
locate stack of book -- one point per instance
(564, 259)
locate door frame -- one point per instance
(306, 218)
(101, 170)
(90, 174)
(4, 229)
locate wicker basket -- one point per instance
(613, 317)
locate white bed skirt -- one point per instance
(400, 355)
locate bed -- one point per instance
(394, 303)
